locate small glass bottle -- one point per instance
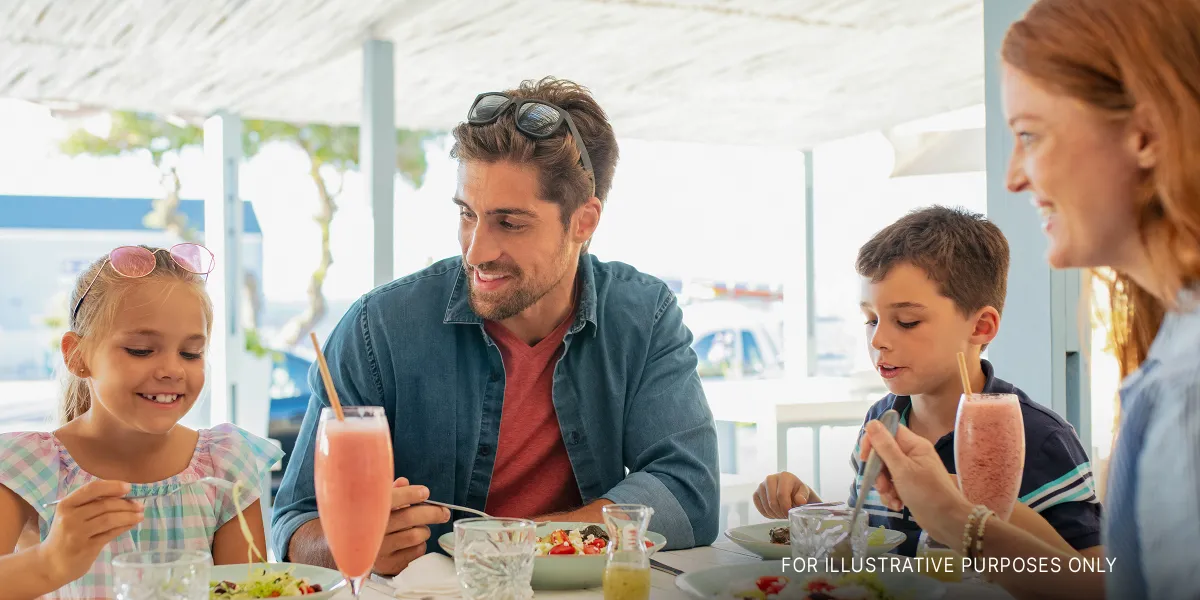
(941, 561)
(627, 572)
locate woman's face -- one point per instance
(1083, 168)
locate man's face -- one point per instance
(515, 247)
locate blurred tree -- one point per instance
(332, 151)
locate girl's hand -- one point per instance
(84, 522)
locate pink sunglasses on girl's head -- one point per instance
(136, 261)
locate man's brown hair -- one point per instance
(962, 252)
(563, 180)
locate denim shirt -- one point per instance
(1153, 501)
(630, 406)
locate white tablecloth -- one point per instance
(663, 584)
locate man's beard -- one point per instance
(502, 305)
(505, 304)
(521, 295)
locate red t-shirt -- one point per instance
(532, 475)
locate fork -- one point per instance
(213, 481)
(472, 511)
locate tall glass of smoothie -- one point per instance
(353, 476)
(989, 450)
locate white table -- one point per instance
(663, 586)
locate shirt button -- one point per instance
(485, 450)
(573, 438)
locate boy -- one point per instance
(934, 285)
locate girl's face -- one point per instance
(149, 369)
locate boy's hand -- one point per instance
(780, 493)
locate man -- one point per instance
(526, 377)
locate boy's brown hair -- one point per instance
(962, 252)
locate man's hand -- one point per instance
(408, 527)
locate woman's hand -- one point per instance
(914, 476)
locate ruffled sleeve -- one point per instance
(240, 456)
(29, 466)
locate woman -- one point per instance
(1103, 97)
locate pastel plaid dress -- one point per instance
(39, 469)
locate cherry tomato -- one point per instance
(819, 586)
(590, 549)
(598, 543)
(562, 549)
(771, 585)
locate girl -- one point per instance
(1102, 98)
(140, 325)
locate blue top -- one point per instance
(625, 390)
(1056, 482)
(1153, 517)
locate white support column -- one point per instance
(810, 269)
(223, 235)
(377, 151)
(1039, 345)
(797, 288)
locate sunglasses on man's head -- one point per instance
(136, 261)
(534, 118)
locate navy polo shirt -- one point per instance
(1057, 481)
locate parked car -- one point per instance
(736, 340)
(289, 401)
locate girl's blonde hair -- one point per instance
(98, 312)
(1122, 56)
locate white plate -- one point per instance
(716, 583)
(573, 572)
(326, 578)
(757, 539)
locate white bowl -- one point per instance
(757, 539)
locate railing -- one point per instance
(776, 406)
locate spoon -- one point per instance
(890, 420)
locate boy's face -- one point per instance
(914, 333)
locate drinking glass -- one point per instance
(161, 575)
(989, 450)
(353, 476)
(817, 528)
(494, 558)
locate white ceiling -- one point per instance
(753, 72)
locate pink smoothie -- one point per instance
(353, 476)
(989, 450)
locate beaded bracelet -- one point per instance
(974, 516)
(979, 535)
